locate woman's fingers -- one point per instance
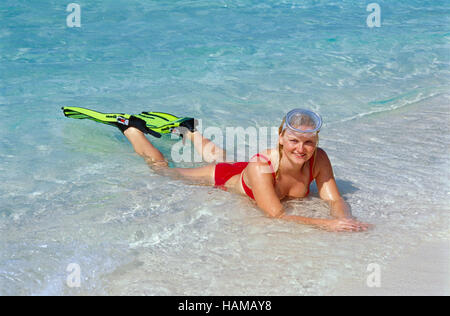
(348, 224)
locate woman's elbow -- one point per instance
(275, 214)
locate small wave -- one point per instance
(397, 103)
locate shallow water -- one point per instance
(74, 191)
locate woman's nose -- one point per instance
(300, 147)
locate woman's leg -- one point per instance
(143, 147)
(155, 159)
(210, 152)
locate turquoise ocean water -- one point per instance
(75, 192)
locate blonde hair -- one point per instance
(303, 121)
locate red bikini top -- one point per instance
(249, 191)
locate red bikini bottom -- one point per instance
(224, 171)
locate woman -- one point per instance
(270, 176)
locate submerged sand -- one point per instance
(423, 271)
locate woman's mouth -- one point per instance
(300, 156)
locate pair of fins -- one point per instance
(153, 123)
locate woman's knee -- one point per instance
(130, 131)
(161, 164)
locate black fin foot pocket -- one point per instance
(190, 124)
(123, 124)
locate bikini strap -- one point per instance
(269, 162)
(311, 164)
(311, 176)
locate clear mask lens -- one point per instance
(303, 121)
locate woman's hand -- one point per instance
(344, 225)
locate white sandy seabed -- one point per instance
(135, 233)
(422, 271)
(425, 268)
(254, 256)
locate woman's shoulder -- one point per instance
(321, 161)
(266, 155)
(321, 154)
(263, 163)
(265, 158)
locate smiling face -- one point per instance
(298, 147)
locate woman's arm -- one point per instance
(339, 208)
(328, 191)
(332, 225)
(262, 184)
(263, 188)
